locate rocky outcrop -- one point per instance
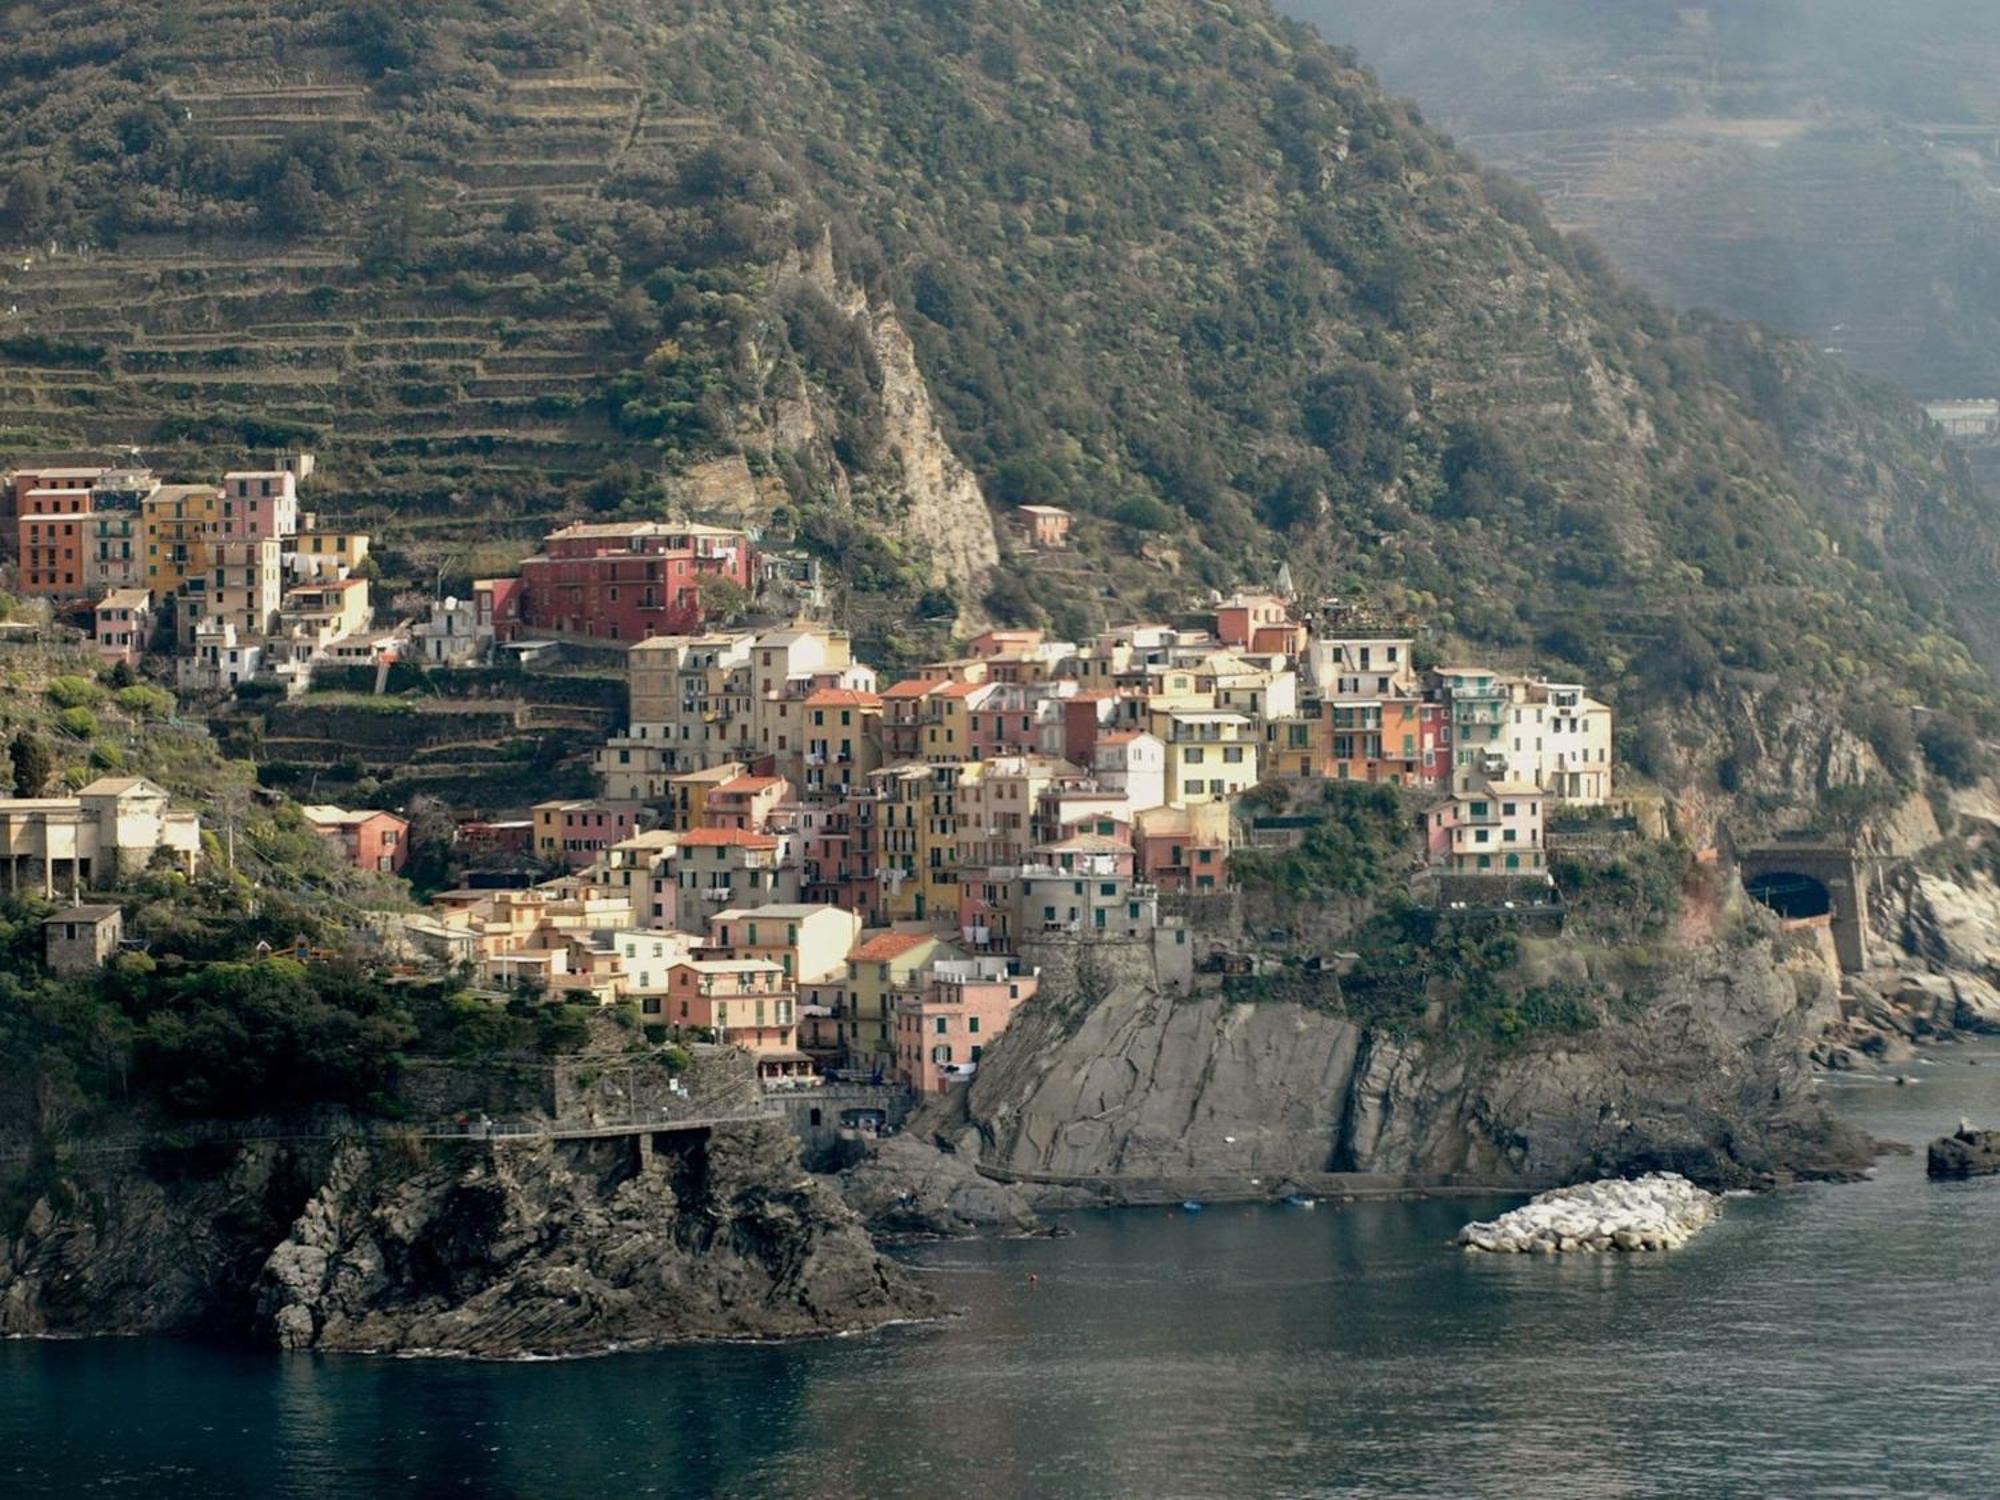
(1954, 926)
(940, 509)
(1709, 1075)
(565, 1248)
(1660, 1211)
(904, 1186)
(490, 1249)
(1964, 1153)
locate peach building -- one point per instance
(54, 543)
(367, 839)
(945, 1027)
(746, 1002)
(1045, 526)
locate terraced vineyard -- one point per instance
(438, 403)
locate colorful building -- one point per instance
(943, 1029)
(124, 625)
(628, 580)
(367, 839)
(54, 543)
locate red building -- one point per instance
(367, 840)
(629, 580)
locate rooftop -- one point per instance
(887, 945)
(721, 838)
(81, 914)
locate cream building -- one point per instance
(109, 830)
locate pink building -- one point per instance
(258, 506)
(944, 1028)
(575, 833)
(124, 623)
(496, 604)
(1004, 723)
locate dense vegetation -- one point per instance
(1178, 266)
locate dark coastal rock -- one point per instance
(1711, 1077)
(906, 1186)
(487, 1249)
(1964, 1153)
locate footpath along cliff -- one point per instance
(496, 1248)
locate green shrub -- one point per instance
(75, 692)
(144, 701)
(80, 723)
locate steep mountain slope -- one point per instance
(1176, 265)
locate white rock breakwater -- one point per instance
(1661, 1211)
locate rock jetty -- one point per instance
(1965, 1153)
(1661, 1211)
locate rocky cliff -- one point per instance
(1709, 1075)
(482, 1249)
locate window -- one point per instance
(972, 1025)
(942, 1026)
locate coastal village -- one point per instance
(844, 872)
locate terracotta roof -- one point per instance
(707, 838)
(1087, 843)
(889, 945)
(910, 687)
(964, 689)
(743, 785)
(842, 698)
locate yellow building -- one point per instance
(326, 554)
(883, 966)
(1211, 754)
(316, 614)
(937, 841)
(902, 794)
(688, 793)
(948, 719)
(176, 524)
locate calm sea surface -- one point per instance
(1827, 1341)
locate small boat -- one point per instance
(1300, 1200)
(1190, 1206)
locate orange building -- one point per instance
(1400, 741)
(54, 540)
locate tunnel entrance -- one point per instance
(1792, 896)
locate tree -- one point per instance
(1952, 749)
(294, 204)
(525, 215)
(27, 204)
(432, 835)
(32, 764)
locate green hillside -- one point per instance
(1175, 265)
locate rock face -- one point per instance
(1660, 1211)
(1964, 1153)
(476, 1248)
(905, 1186)
(1712, 1079)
